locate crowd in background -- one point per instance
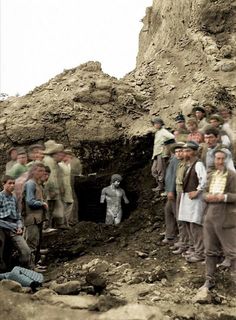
(38, 193)
(194, 167)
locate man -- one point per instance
(192, 207)
(194, 133)
(217, 121)
(170, 188)
(12, 153)
(220, 219)
(228, 125)
(211, 138)
(55, 186)
(181, 132)
(183, 243)
(35, 154)
(10, 222)
(68, 196)
(20, 167)
(35, 210)
(200, 114)
(159, 156)
(76, 171)
(113, 195)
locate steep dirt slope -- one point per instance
(187, 53)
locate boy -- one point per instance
(10, 222)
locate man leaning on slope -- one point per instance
(162, 136)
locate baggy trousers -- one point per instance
(158, 171)
(195, 232)
(170, 219)
(182, 226)
(33, 236)
(216, 238)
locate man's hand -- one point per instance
(170, 196)
(19, 231)
(193, 194)
(214, 197)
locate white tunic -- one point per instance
(193, 210)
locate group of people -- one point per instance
(38, 193)
(39, 197)
(194, 167)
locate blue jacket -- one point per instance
(170, 177)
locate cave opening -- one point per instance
(132, 157)
(89, 191)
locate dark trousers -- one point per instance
(170, 219)
(158, 171)
(182, 227)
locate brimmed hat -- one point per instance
(178, 145)
(191, 145)
(52, 147)
(199, 108)
(68, 151)
(21, 150)
(157, 120)
(192, 120)
(180, 118)
(10, 150)
(35, 146)
(225, 150)
(216, 117)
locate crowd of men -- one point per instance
(38, 193)
(194, 167)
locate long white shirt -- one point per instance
(161, 136)
(192, 210)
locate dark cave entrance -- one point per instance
(127, 158)
(89, 191)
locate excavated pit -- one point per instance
(127, 158)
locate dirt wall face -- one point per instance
(192, 49)
(83, 108)
(187, 56)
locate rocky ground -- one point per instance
(120, 272)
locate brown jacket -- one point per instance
(229, 207)
(35, 216)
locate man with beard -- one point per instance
(220, 220)
(192, 207)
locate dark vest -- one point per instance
(33, 216)
(191, 181)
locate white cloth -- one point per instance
(225, 140)
(193, 210)
(161, 136)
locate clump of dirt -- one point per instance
(225, 99)
(217, 17)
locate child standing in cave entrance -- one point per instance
(113, 196)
